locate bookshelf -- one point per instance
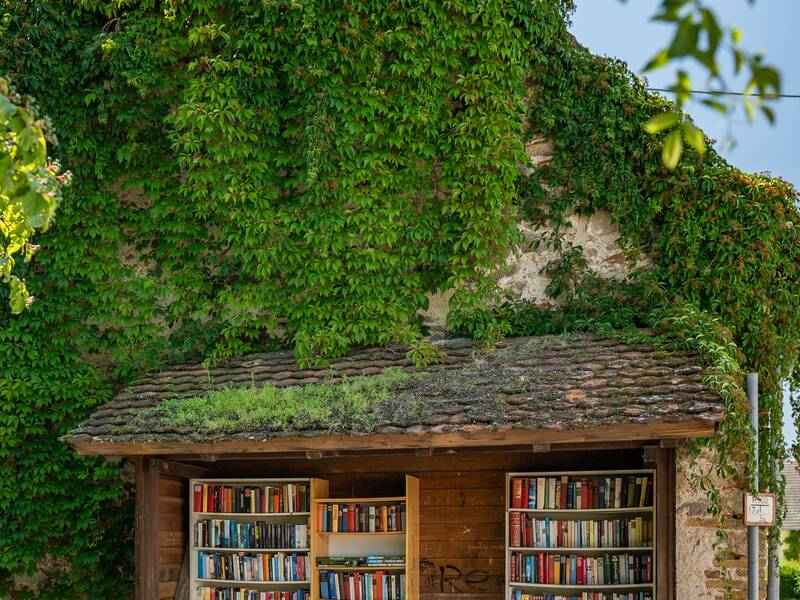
(263, 525)
(370, 532)
(572, 532)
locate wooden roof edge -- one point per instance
(458, 439)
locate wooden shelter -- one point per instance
(574, 409)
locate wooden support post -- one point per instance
(146, 529)
(663, 460)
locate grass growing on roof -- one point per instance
(352, 404)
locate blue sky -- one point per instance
(624, 30)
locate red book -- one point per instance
(357, 585)
(516, 493)
(351, 517)
(579, 579)
(512, 568)
(376, 591)
(551, 569)
(515, 529)
(648, 569)
(198, 498)
(564, 486)
(210, 499)
(526, 485)
(321, 508)
(541, 575)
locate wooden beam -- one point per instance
(146, 529)
(183, 470)
(539, 448)
(423, 451)
(665, 523)
(210, 451)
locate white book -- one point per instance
(540, 493)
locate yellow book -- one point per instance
(335, 518)
(205, 497)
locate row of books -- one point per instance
(229, 533)
(382, 560)
(572, 569)
(530, 532)
(228, 593)
(572, 493)
(361, 518)
(284, 498)
(242, 566)
(520, 595)
(339, 585)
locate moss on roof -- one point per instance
(350, 404)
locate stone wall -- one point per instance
(702, 572)
(523, 275)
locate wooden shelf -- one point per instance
(618, 550)
(360, 532)
(365, 543)
(361, 568)
(590, 514)
(583, 588)
(259, 515)
(383, 500)
(260, 550)
(316, 487)
(239, 583)
(584, 512)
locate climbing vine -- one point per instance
(303, 173)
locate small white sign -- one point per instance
(759, 510)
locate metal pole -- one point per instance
(752, 532)
(773, 556)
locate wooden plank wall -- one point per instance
(173, 523)
(461, 506)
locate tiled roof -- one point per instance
(573, 381)
(792, 499)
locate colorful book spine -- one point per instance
(361, 518)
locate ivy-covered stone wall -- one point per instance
(307, 174)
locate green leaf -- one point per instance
(658, 61)
(769, 114)
(661, 122)
(19, 295)
(685, 40)
(694, 137)
(716, 105)
(672, 150)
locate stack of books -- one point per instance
(215, 593)
(384, 560)
(529, 532)
(241, 566)
(361, 518)
(571, 493)
(571, 569)
(219, 498)
(230, 533)
(337, 585)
